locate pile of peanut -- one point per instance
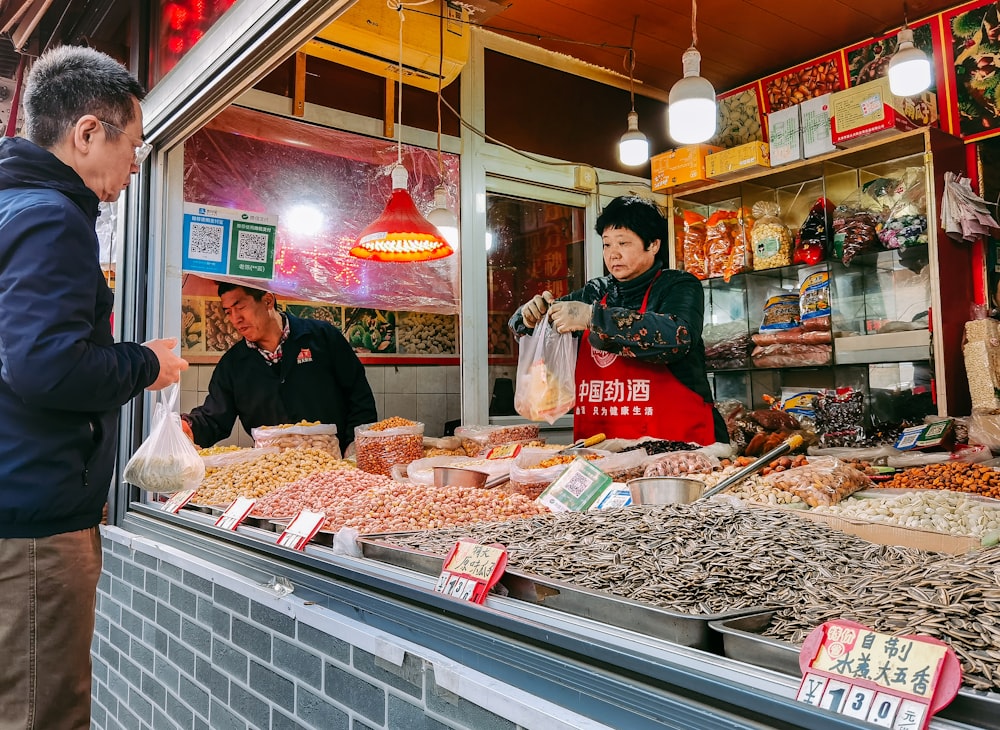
(256, 478)
(955, 475)
(391, 441)
(419, 333)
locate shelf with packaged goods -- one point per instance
(920, 294)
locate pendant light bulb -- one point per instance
(633, 149)
(691, 110)
(442, 218)
(909, 67)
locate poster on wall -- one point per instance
(822, 75)
(869, 60)
(228, 242)
(739, 117)
(972, 37)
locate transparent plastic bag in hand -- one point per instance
(166, 461)
(546, 374)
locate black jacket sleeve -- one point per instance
(213, 420)
(349, 374)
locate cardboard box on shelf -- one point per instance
(867, 112)
(750, 157)
(682, 167)
(814, 117)
(784, 135)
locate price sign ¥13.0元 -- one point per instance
(471, 569)
(895, 682)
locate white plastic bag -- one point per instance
(166, 461)
(546, 370)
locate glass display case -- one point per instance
(879, 308)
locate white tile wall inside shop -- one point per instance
(430, 394)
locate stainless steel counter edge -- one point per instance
(612, 675)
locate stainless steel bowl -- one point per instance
(665, 490)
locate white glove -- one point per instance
(532, 312)
(571, 316)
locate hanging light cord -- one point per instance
(904, 14)
(440, 81)
(694, 26)
(398, 7)
(630, 63)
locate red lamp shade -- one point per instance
(400, 234)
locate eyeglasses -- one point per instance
(142, 149)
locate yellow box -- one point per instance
(747, 158)
(680, 167)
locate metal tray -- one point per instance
(680, 628)
(742, 641)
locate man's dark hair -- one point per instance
(639, 216)
(225, 286)
(68, 82)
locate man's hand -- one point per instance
(171, 365)
(532, 312)
(186, 428)
(571, 316)
(350, 451)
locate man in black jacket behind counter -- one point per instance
(285, 370)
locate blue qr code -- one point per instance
(205, 242)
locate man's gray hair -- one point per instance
(68, 82)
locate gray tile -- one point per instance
(298, 662)
(197, 636)
(281, 721)
(252, 639)
(183, 600)
(166, 672)
(197, 583)
(249, 706)
(362, 697)
(278, 689)
(232, 600)
(408, 677)
(154, 690)
(193, 694)
(181, 656)
(318, 713)
(404, 715)
(271, 619)
(328, 646)
(230, 659)
(179, 712)
(221, 718)
(212, 679)
(449, 705)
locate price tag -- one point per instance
(302, 529)
(178, 500)
(235, 513)
(896, 682)
(471, 569)
(504, 451)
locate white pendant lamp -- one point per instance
(633, 148)
(442, 218)
(691, 110)
(909, 67)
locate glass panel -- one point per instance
(532, 246)
(181, 24)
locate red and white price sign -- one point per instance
(471, 569)
(178, 500)
(235, 513)
(504, 451)
(302, 529)
(895, 682)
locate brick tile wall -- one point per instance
(182, 644)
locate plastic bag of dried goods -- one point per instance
(166, 461)
(479, 438)
(236, 456)
(680, 463)
(770, 238)
(535, 469)
(301, 435)
(546, 369)
(823, 481)
(390, 441)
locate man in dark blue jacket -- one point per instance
(63, 378)
(285, 370)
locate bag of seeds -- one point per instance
(166, 461)
(822, 482)
(770, 238)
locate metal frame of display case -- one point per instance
(835, 175)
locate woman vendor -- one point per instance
(640, 369)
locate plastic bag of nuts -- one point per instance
(770, 238)
(478, 438)
(823, 481)
(301, 435)
(391, 441)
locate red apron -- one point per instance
(628, 398)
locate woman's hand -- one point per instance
(571, 316)
(535, 308)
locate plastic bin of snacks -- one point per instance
(301, 435)
(476, 439)
(391, 441)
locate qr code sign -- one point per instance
(252, 246)
(205, 242)
(577, 485)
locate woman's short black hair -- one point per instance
(638, 215)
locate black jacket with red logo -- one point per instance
(319, 378)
